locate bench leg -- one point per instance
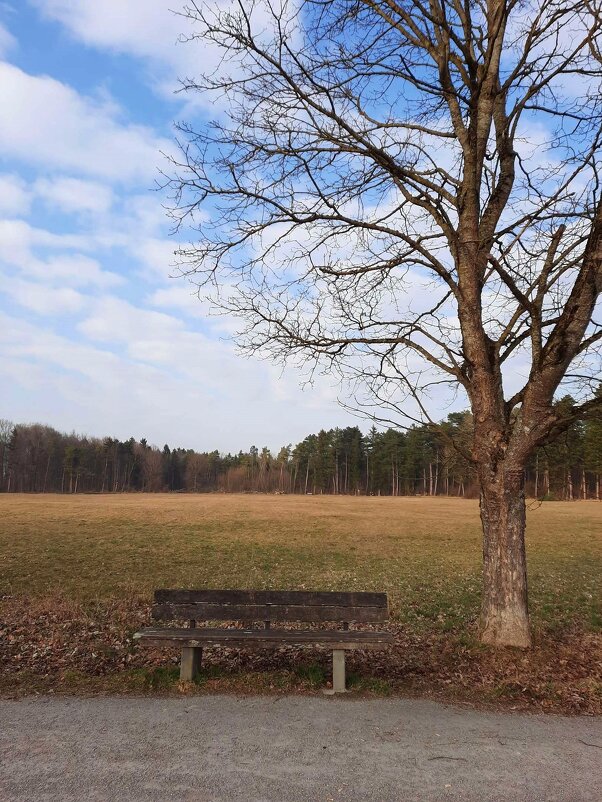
(190, 663)
(338, 673)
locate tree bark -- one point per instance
(505, 614)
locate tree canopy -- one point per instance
(406, 190)
(420, 461)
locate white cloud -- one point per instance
(17, 238)
(166, 343)
(136, 226)
(182, 296)
(75, 270)
(115, 320)
(178, 296)
(19, 241)
(51, 125)
(97, 362)
(145, 213)
(151, 30)
(42, 299)
(15, 197)
(75, 195)
(7, 41)
(151, 377)
(147, 29)
(142, 27)
(99, 367)
(155, 255)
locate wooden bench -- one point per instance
(268, 607)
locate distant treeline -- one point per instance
(419, 461)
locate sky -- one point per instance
(96, 334)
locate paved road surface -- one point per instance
(292, 749)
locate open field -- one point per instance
(77, 573)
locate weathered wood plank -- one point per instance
(267, 638)
(314, 598)
(268, 612)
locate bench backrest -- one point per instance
(270, 605)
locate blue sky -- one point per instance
(94, 334)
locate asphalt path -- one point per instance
(290, 749)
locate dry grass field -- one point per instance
(77, 574)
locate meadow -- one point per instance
(77, 575)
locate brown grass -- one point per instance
(74, 566)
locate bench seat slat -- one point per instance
(268, 638)
(268, 612)
(314, 598)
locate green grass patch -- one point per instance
(425, 553)
(311, 674)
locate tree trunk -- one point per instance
(569, 480)
(505, 615)
(46, 474)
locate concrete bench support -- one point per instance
(338, 672)
(190, 664)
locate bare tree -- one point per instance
(6, 433)
(409, 191)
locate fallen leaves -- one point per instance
(59, 644)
